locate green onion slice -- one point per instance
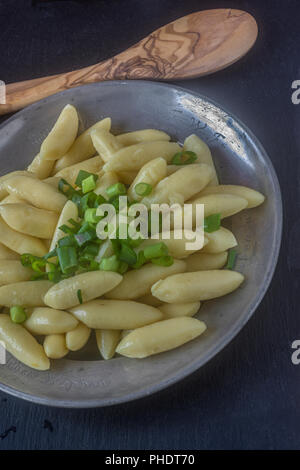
(110, 264)
(79, 296)
(17, 314)
(141, 260)
(163, 261)
(90, 216)
(127, 254)
(82, 175)
(156, 251)
(231, 259)
(67, 257)
(212, 223)
(143, 189)
(186, 157)
(65, 188)
(115, 190)
(88, 184)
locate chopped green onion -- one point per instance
(99, 200)
(116, 245)
(82, 238)
(38, 276)
(37, 265)
(27, 259)
(66, 229)
(90, 250)
(141, 260)
(135, 242)
(163, 261)
(69, 240)
(231, 259)
(75, 224)
(110, 264)
(88, 184)
(117, 189)
(212, 223)
(17, 314)
(67, 257)
(65, 188)
(93, 266)
(156, 251)
(123, 267)
(143, 189)
(54, 276)
(115, 202)
(186, 157)
(79, 296)
(51, 254)
(90, 216)
(82, 175)
(127, 254)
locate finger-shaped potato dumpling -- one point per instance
(70, 211)
(36, 192)
(254, 198)
(224, 204)
(40, 167)
(159, 337)
(194, 144)
(219, 241)
(201, 285)
(180, 310)
(6, 253)
(29, 219)
(77, 338)
(4, 178)
(149, 299)
(105, 143)
(126, 177)
(27, 293)
(13, 271)
(105, 180)
(55, 346)
(107, 341)
(64, 294)
(205, 261)
(22, 345)
(11, 199)
(177, 247)
(144, 135)
(151, 173)
(135, 156)
(48, 321)
(20, 242)
(83, 147)
(61, 136)
(181, 185)
(116, 314)
(138, 282)
(70, 173)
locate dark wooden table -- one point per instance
(248, 397)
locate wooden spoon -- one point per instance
(192, 46)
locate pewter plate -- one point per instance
(82, 380)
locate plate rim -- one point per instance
(232, 332)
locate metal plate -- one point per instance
(239, 158)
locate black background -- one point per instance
(248, 397)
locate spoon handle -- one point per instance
(192, 46)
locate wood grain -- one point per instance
(192, 46)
